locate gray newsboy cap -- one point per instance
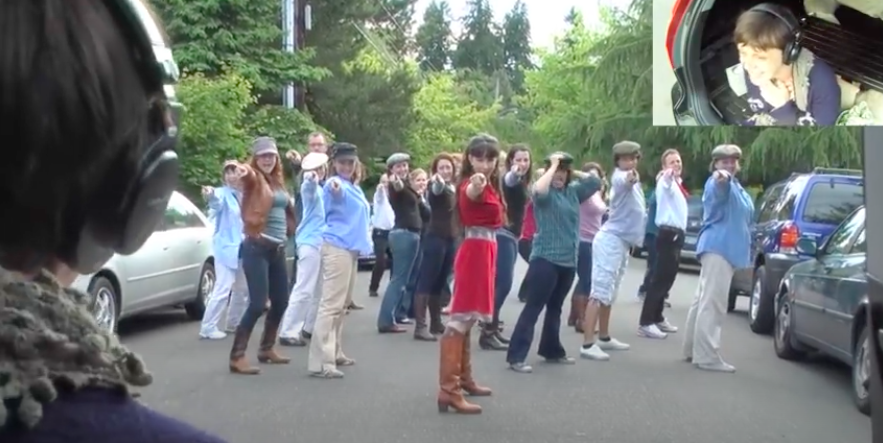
(626, 147)
(726, 151)
(398, 157)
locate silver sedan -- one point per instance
(175, 267)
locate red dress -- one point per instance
(529, 228)
(475, 266)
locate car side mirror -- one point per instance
(807, 246)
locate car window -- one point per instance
(767, 209)
(830, 202)
(860, 246)
(181, 214)
(694, 207)
(840, 241)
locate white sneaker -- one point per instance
(613, 345)
(667, 327)
(651, 331)
(212, 335)
(594, 353)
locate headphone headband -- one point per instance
(795, 29)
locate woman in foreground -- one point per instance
(480, 211)
(103, 130)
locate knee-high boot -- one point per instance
(450, 392)
(421, 329)
(436, 326)
(238, 363)
(467, 382)
(267, 352)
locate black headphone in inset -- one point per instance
(792, 47)
(123, 224)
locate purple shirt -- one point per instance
(591, 212)
(822, 102)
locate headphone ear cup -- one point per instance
(148, 201)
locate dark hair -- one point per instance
(510, 158)
(433, 167)
(75, 107)
(761, 30)
(588, 166)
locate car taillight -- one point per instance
(788, 238)
(677, 16)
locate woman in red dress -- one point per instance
(480, 210)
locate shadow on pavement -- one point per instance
(150, 322)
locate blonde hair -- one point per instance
(416, 173)
(667, 153)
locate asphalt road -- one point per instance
(644, 395)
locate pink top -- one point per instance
(591, 212)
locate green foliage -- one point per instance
(211, 126)
(434, 39)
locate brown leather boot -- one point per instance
(238, 362)
(450, 394)
(467, 383)
(421, 330)
(571, 319)
(579, 309)
(436, 326)
(267, 353)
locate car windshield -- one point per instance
(694, 207)
(831, 202)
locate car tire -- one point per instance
(636, 252)
(784, 343)
(761, 308)
(105, 304)
(861, 371)
(196, 308)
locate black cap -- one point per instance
(342, 150)
(566, 159)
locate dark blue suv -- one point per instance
(804, 205)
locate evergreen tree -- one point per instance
(516, 45)
(434, 39)
(480, 47)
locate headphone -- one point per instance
(792, 46)
(124, 223)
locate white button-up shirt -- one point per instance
(384, 218)
(671, 203)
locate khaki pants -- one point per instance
(702, 336)
(339, 277)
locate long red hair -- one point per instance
(276, 177)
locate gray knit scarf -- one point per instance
(49, 341)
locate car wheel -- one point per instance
(761, 309)
(105, 303)
(196, 308)
(861, 372)
(783, 341)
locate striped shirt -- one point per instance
(557, 219)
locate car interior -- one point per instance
(848, 34)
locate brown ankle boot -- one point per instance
(267, 352)
(450, 394)
(579, 309)
(238, 363)
(467, 383)
(435, 321)
(421, 330)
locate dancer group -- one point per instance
(467, 218)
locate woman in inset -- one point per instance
(517, 176)
(268, 219)
(556, 196)
(722, 248)
(223, 203)
(90, 113)
(480, 212)
(591, 214)
(404, 241)
(438, 249)
(303, 302)
(345, 237)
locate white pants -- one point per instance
(303, 302)
(610, 258)
(702, 336)
(230, 291)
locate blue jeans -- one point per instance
(584, 270)
(507, 253)
(405, 247)
(406, 308)
(650, 246)
(548, 285)
(264, 267)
